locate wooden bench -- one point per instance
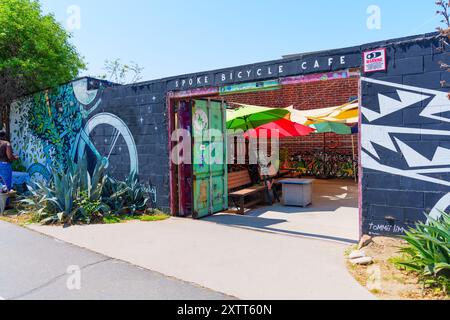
(242, 182)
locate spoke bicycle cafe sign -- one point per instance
(303, 65)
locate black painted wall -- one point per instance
(406, 142)
(405, 125)
(143, 109)
(394, 195)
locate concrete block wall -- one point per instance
(143, 110)
(406, 146)
(45, 135)
(405, 132)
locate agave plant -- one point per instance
(137, 195)
(128, 196)
(34, 205)
(63, 193)
(58, 195)
(428, 250)
(91, 185)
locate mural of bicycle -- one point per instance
(58, 125)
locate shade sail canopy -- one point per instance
(302, 116)
(348, 113)
(282, 128)
(331, 127)
(248, 117)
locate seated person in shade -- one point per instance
(268, 171)
(6, 158)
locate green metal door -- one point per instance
(209, 158)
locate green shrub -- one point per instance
(111, 220)
(428, 252)
(90, 211)
(154, 217)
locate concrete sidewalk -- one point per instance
(35, 267)
(333, 215)
(243, 263)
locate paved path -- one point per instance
(242, 263)
(33, 266)
(333, 215)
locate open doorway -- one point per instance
(199, 157)
(328, 158)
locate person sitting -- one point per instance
(6, 158)
(268, 172)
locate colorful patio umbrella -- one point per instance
(283, 128)
(248, 117)
(331, 127)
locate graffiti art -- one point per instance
(416, 145)
(54, 126)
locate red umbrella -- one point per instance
(283, 128)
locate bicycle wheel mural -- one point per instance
(53, 126)
(118, 143)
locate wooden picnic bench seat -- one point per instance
(240, 188)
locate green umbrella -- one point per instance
(332, 127)
(249, 117)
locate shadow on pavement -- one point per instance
(264, 224)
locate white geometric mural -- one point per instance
(410, 163)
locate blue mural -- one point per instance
(53, 126)
(56, 121)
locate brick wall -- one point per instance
(306, 96)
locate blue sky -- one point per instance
(172, 37)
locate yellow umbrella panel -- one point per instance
(348, 113)
(302, 116)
